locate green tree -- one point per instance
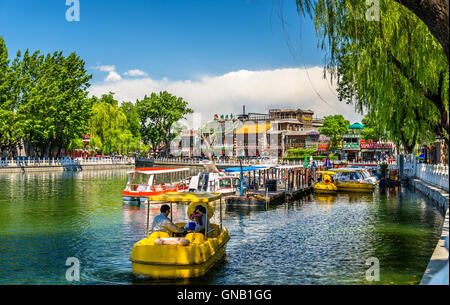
(393, 68)
(9, 133)
(108, 127)
(158, 114)
(372, 131)
(334, 126)
(433, 13)
(133, 120)
(51, 100)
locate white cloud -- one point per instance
(112, 76)
(135, 72)
(225, 94)
(106, 68)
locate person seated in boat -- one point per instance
(162, 223)
(200, 218)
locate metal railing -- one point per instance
(433, 174)
(37, 162)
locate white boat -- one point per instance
(366, 175)
(214, 183)
(137, 193)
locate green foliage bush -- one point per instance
(302, 158)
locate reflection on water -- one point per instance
(321, 239)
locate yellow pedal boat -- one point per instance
(326, 186)
(190, 259)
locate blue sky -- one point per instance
(173, 42)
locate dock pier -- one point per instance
(275, 185)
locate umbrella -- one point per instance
(305, 163)
(421, 156)
(327, 162)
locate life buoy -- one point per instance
(173, 241)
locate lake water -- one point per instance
(47, 217)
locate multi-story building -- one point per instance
(351, 142)
(259, 134)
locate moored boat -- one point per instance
(326, 184)
(351, 180)
(137, 193)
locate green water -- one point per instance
(47, 217)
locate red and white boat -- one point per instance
(141, 184)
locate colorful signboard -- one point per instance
(336, 145)
(312, 145)
(376, 145)
(323, 146)
(351, 146)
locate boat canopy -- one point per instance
(244, 169)
(186, 197)
(289, 166)
(347, 170)
(159, 170)
(326, 172)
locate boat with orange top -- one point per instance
(141, 184)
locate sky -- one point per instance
(217, 54)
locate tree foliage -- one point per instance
(44, 102)
(393, 68)
(158, 113)
(9, 133)
(108, 127)
(44, 107)
(334, 126)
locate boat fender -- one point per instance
(172, 241)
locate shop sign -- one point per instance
(323, 146)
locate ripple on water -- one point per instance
(46, 218)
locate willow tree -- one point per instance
(108, 127)
(391, 67)
(433, 13)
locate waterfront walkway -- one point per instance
(432, 180)
(245, 162)
(63, 164)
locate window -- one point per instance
(224, 183)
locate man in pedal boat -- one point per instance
(162, 223)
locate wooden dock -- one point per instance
(261, 198)
(293, 182)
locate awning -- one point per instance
(159, 170)
(244, 169)
(186, 197)
(253, 128)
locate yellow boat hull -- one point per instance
(354, 187)
(325, 188)
(179, 262)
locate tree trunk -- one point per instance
(434, 13)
